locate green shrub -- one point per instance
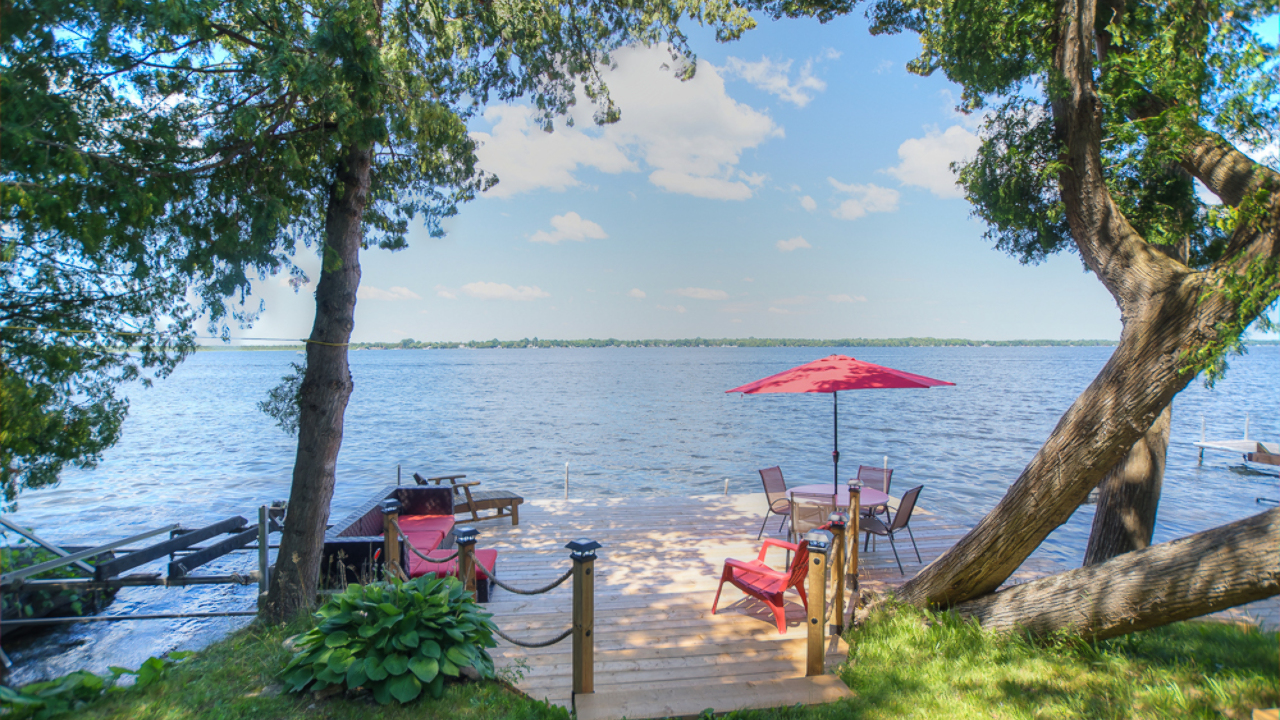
(394, 639)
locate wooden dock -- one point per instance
(655, 579)
(659, 652)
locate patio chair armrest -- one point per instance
(751, 568)
(774, 542)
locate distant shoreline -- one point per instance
(535, 343)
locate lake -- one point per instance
(628, 421)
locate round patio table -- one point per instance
(870, 496)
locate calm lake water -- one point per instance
(629, 421)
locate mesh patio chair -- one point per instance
(809, 511)
(874, 526)
(775, 489)
(878, 478)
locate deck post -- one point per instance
(819, 546)
(584, 608)
(264, 534)
(467, 536)
(391, 538)
(839, 527)
(851, 531)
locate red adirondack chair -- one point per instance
(762, 582)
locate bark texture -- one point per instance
(1203, 573)
(1168, 310)
(1128, 496)
(326, 388)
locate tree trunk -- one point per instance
(323, 397)
(1170, 315)
(1128, 496)
(1193, 576)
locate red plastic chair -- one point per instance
(762, 582)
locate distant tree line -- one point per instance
(411, 344)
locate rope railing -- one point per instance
(546, 643)
(545, 588)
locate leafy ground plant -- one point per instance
(394, 639)
(77, 690)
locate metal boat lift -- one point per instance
(184, 556)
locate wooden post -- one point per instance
(467, 536)
(839, 526)
(264, 533)
(584, 610)
(391, 538)
(855, 514)
(819, 545)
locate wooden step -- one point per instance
(657, 701)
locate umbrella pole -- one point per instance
(835, 453)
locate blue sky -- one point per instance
(796, 187)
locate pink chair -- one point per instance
(762, 582)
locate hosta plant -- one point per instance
(394, 639)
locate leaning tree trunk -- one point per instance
(1125, 519)
(324, 393)
(1189, 577)
(1170, 314)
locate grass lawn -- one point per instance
(904, 664)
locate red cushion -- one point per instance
(425, 541)
(437, 523)
(485, 560)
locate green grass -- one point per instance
(236, 679)
(905, 663)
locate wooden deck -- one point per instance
(655, 579)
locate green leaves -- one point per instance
(76, 690)
(394, 640)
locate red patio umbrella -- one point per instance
(831, 375)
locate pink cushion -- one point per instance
(438, 523)
(485, 560)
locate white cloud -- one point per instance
(677, 308)
(797, 300)
(794, 243)
(701, 293)
(503, 291)
(781, 311)
(754, 179)
(369, 292)
(845, 298)
(690, 135)
(926, 162)
(863, 199)
(636, 293)
(808, 203)
(772, 76)
(570, 226)
(525, 158)
(884, 66)
(445, 293)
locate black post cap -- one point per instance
(466, 535)
(819, 541)
(390, 506)
(838, 519)
(584, 547)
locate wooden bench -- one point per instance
(465, 500)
